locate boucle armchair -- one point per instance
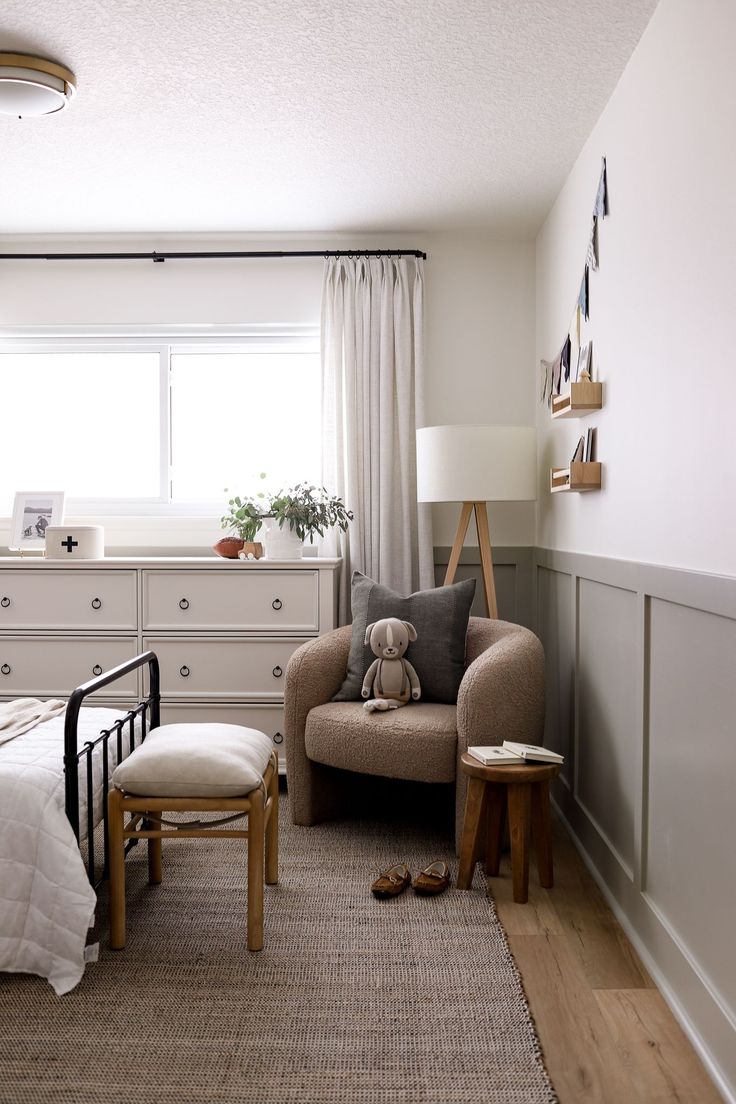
(501, 698)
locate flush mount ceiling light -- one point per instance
(33, 86)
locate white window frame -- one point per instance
(164, 341)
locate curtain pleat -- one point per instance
(373, 402)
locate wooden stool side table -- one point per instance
(524, 790)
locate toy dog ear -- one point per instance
(368, 631)
(411, 630)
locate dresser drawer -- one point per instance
(233, 598)
(266, 718)
(49, 599)
(215, 668)
(54, 666)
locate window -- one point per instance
(69, 420)
(236, 414)
(158, 428)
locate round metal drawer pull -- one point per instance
(96, 603)
(5, 668)
(183, 603)
(184, 671)
(277, 672)
(5, 602)
(278, 738)
(276, 604)
(96, 670)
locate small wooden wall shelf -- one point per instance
(578, 477)
(583, 397)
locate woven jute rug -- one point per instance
(352, 1001)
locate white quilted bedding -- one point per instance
(46, 902)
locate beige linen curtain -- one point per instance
(372, 396)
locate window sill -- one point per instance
(152, 536)
(184, 535)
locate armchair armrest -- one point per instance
(501, 695)
(314, 674)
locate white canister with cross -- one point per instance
(75, 542)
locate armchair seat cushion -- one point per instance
(417, 742)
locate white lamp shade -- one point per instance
(476, 463)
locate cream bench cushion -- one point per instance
(195, 760)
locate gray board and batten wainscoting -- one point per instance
(641, 701)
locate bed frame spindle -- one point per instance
(148, 711)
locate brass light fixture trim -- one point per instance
(34, 86)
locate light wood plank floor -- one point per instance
(607, 1034)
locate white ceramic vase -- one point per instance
(281, 543)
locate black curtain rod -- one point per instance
(189, 256)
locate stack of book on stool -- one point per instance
(511, 752)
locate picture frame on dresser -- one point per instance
(33, 512)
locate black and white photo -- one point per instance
(33, 512)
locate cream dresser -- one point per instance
(223, 630)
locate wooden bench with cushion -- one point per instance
(195, 768)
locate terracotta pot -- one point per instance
(228, 547)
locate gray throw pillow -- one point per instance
(440, 617)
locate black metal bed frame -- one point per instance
(149, 712)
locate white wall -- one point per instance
(479, 321)
(662, 304)
(480, 355)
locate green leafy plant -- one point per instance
(308, 511)
(244, 518)
(246, 515)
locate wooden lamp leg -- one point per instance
(486, 557)
(462, 528)
(486, 552)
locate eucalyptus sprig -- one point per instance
(246, 515)
(244, 518)
(309, 510)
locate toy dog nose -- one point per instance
(389, 651)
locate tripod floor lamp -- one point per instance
(476, 464)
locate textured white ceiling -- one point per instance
(277, 115)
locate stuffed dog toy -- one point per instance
(392, 678)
